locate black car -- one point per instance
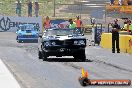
(62, 42)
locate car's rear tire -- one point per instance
(18, 41)
(44, 56)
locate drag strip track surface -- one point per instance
(30, 72)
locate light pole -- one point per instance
(54, 7)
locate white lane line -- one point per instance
(97, 47)
(6, 78)
(94, 6)
(85, 1)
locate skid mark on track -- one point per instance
(73, 65)
(115, 66)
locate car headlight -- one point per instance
(47, 44)
(81, 42)
(53, 43)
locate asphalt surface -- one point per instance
(30, 72)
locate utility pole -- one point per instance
(54, 8)
(105, 13)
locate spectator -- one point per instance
(129, 2)
(130, 29)
(18, 7)
(120, 2)
(36, 7)
(115, 36)
(47, 23)
(111, 2)
(72, 24)
(128, 25)
(29, 8)
(78, 23)
(125, 26)
(93, 21)
(125, 2)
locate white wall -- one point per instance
(10, 23)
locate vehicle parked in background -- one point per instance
(27, 33)
(62, 42)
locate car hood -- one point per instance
(62, 37)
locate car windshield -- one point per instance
(26, 27)
(62, 32)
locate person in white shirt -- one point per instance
(120, 2)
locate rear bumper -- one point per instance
(28, 39)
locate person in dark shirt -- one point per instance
(36, 8)
(29, 8)
(115, 36)
(111, 2)
(18, 7)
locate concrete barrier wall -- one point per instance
(125, 42)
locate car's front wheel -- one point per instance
(80, 55)
(18, 41)
(40, 55)
(44, 55)
(17, 38)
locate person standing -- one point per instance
(130, 29)
(78, 23)
(120, 2)
(18, 7)
(125, 26)
(36, 8)
(128, 25)
(47, 23)
(29, 8)
(111, 2)
(72, 24)
(93, 21)
(125, 2)
(115, 36)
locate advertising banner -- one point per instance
(10, 23)
(98, 32)
(59, 23)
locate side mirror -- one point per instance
(82, 34)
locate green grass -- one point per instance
(7, 7)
